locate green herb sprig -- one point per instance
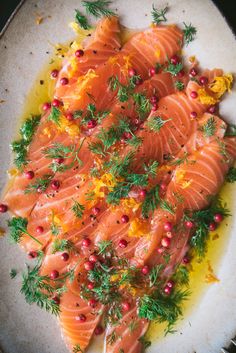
(158, 16)
(155, 123)
(81, 20)
(231, 175)
(18, 227)
(189, 33)
(98, 8)
(39, 185)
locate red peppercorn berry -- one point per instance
(152, 71)
(90, 285)
(91, 124)
(32, 254)
(54, 73)
(167, 290)
(154, 99)
(212, 226)
(98, 330)
(193, 72)
(29, 174)
(65, 256)
(64, 81)
(194, 94)
(55, 184)
(79, 53)
(46, 106)
(69, 116)
(86, 242)
(145, 270)
(81, 318)
(123, 243)
(54, 274)
(193, 115)
(89, 266)
(189, 224)
(174, 60)
(56, 103)
(143, 192)
(186, 260)
(211, 109)
(218, 217)
(203, 80)
(96, 210)
(154, 107)
(132, 72)
(3, 208)
(93, 258)
(92, 303)
(39, 229)
(165, 242)
(125, 218)
(168, 226)
(56, 299)
(126, 306)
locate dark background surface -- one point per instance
(227, 7)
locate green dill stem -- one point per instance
(32, 237)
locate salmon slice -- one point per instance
(104, 42)
(125, 336)
(194, 181)
(95, 84)
(77, 332)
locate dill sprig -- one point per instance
(179, 85)
(54, 116)
(81, 20)
(40, 184)
(166, 206)
(98, 8)
(154, 274)
(143, 105)
(78, 209)
(97, 148)
(92, 113)
(123, 91)
(104, 246)
(60, 245)
(158, 16)
(162, 308)
(209, 128)
(181, 276)
(155, 123)
(120, 167)
(135, 141)
(174, 69)
(112, 135)
(151, 168)
(189, 33)
(13, 273)
(77, 349)
(181, 160)
(202, 219)
(18, 227)
(231, 175)
(38, 289)
(151, 201)
(231, 130)
(20, 147)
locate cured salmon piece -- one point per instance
(104, 42)
(164, 40)
(126, 334)
(77, 319)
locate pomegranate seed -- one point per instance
(154, 99)
(154, 107)
(98, 330)
(212, 226)
(189, 224)
(96, 210)
(3, 208)
(88, 265)
(55, 184)
(93, 258)
(54, 274)
(79, 53)
(193, 115)
(64, 81)
(160, 250)
(56, 103)
(170, 284)
(65, 256)
(92, 303)
(69, 116)
(32, 254)
(143, 192)
(123, 243)
(39, 229)
(218, 217)
(181, 74)
(59, 160)
(203, 80)
(29, 174)
(125, 218)
(91, 124)
(126, 306)
(86, 242)
(186, 260)
(211, 109)
(174, 60)
(167, 290)
(90, 285)
(81, 318)
(152, 71)
(168, 226)
(145, 270)
(46, 106)
(132, 72)
(165, 242)
(194, 94)
(193, 72)
(54, 73)
(56, 299)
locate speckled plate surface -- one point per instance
(27, 329)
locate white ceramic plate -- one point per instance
(23, 47)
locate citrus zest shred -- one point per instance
(138, 228)
(210, 276)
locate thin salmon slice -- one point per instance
(103, 43)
